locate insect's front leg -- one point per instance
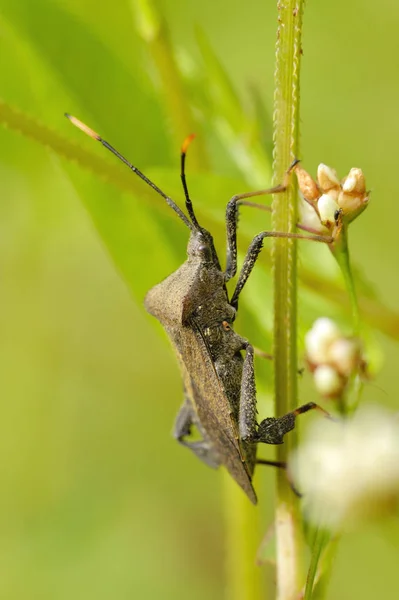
(232, 224)
(232, 218)
(203, 449)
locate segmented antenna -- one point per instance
(189, 204)
(135, 170)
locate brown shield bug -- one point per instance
(193, 306)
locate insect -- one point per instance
(194, 308)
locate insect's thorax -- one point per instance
(200, 278)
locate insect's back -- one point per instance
(193, 307)
(212, 404)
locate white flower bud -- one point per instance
(327, 177)
(344, 353)
(349, 470)
(319, 339)
(355, 182)
(309, 218)
(327, 381)
(327, 208)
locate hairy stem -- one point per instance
(284, 214)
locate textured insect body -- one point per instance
(194, 308)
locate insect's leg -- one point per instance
(280, 464)
(232, 218)
(203, 449)
(247, 422)
(272, 429)
(253, 252)
(268, 209)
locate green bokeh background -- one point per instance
(97, 500)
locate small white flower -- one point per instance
(319, 339)
(309, 218)
(328, 195)
(349, 470)
(344, 354)
(327, 209)
(327, 381)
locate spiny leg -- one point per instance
(203, 449)
(232, 219)
(272, 429)
(254, 250)
(248, 427)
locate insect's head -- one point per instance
(201, 245)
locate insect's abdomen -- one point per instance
(213, 406)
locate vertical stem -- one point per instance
(284, 209)
(341, 252)
(243, 575)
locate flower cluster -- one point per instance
(333, 358)
(349, 470)
(330, 199)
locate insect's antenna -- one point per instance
(189, 204)
(135, 170)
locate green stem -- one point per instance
(242, 575)
(284, 213)
(340, 251)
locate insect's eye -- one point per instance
(226, 326)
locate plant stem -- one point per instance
(341, 252)
(284, 214)
(242, 575)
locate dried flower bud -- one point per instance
(327, 208)
(327, 381)
(307, 184)
(351, 203)
(327, 178)
(349, 471)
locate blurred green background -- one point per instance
(97, 499)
